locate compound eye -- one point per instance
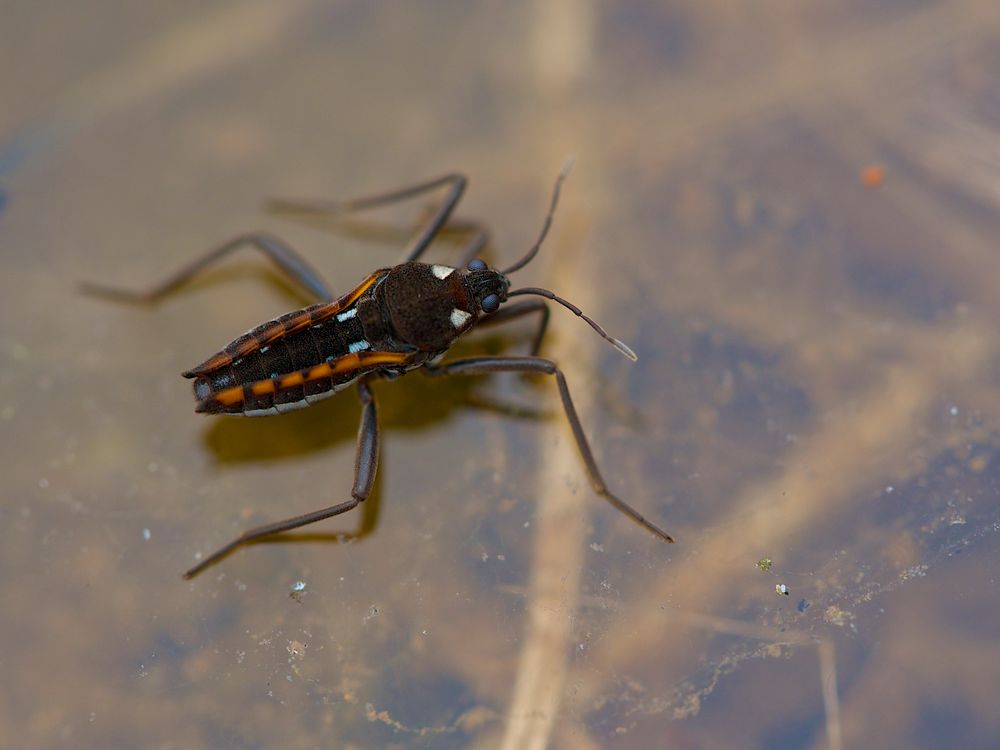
(477, 265)
(490, 303)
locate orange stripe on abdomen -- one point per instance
(262, 395)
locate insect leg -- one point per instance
(518, 309)
(365, 465)
(289, 261)
(426, 232)
(541, 366)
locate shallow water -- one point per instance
(792, 218)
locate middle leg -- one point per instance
(294, 266)
(427, 230)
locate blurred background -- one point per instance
(790, 214)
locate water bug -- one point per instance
(398, 319)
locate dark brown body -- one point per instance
(394, 321)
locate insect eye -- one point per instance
(490, 303)
(477, 265)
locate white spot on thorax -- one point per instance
(347, 314)
(442, 272)
(358, 346)
(458, 317)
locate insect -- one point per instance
(398, 319)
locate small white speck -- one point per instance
(484, 557)
(502, 558)
(953, 411)
(146, 534)
(889, 489)
(780, 588)
(299, 586)
(597, 547)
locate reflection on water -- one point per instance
(816, 381)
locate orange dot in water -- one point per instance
(873, 175)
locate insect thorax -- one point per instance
(428, 306)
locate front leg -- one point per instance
(519, 309)
(541, 366)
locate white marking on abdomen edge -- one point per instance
(326, 394)
(347, 314)
(442, 272)
(291, 406)
(358, 346)
(307, 401)
(458, 317)
(270, 412)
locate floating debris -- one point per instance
(297, 591)
(780, 588)
(764, 564)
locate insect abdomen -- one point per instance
(261, 374)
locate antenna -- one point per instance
(616, 343)
(563, 174)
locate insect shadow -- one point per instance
(412, 405)
(399, 319)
